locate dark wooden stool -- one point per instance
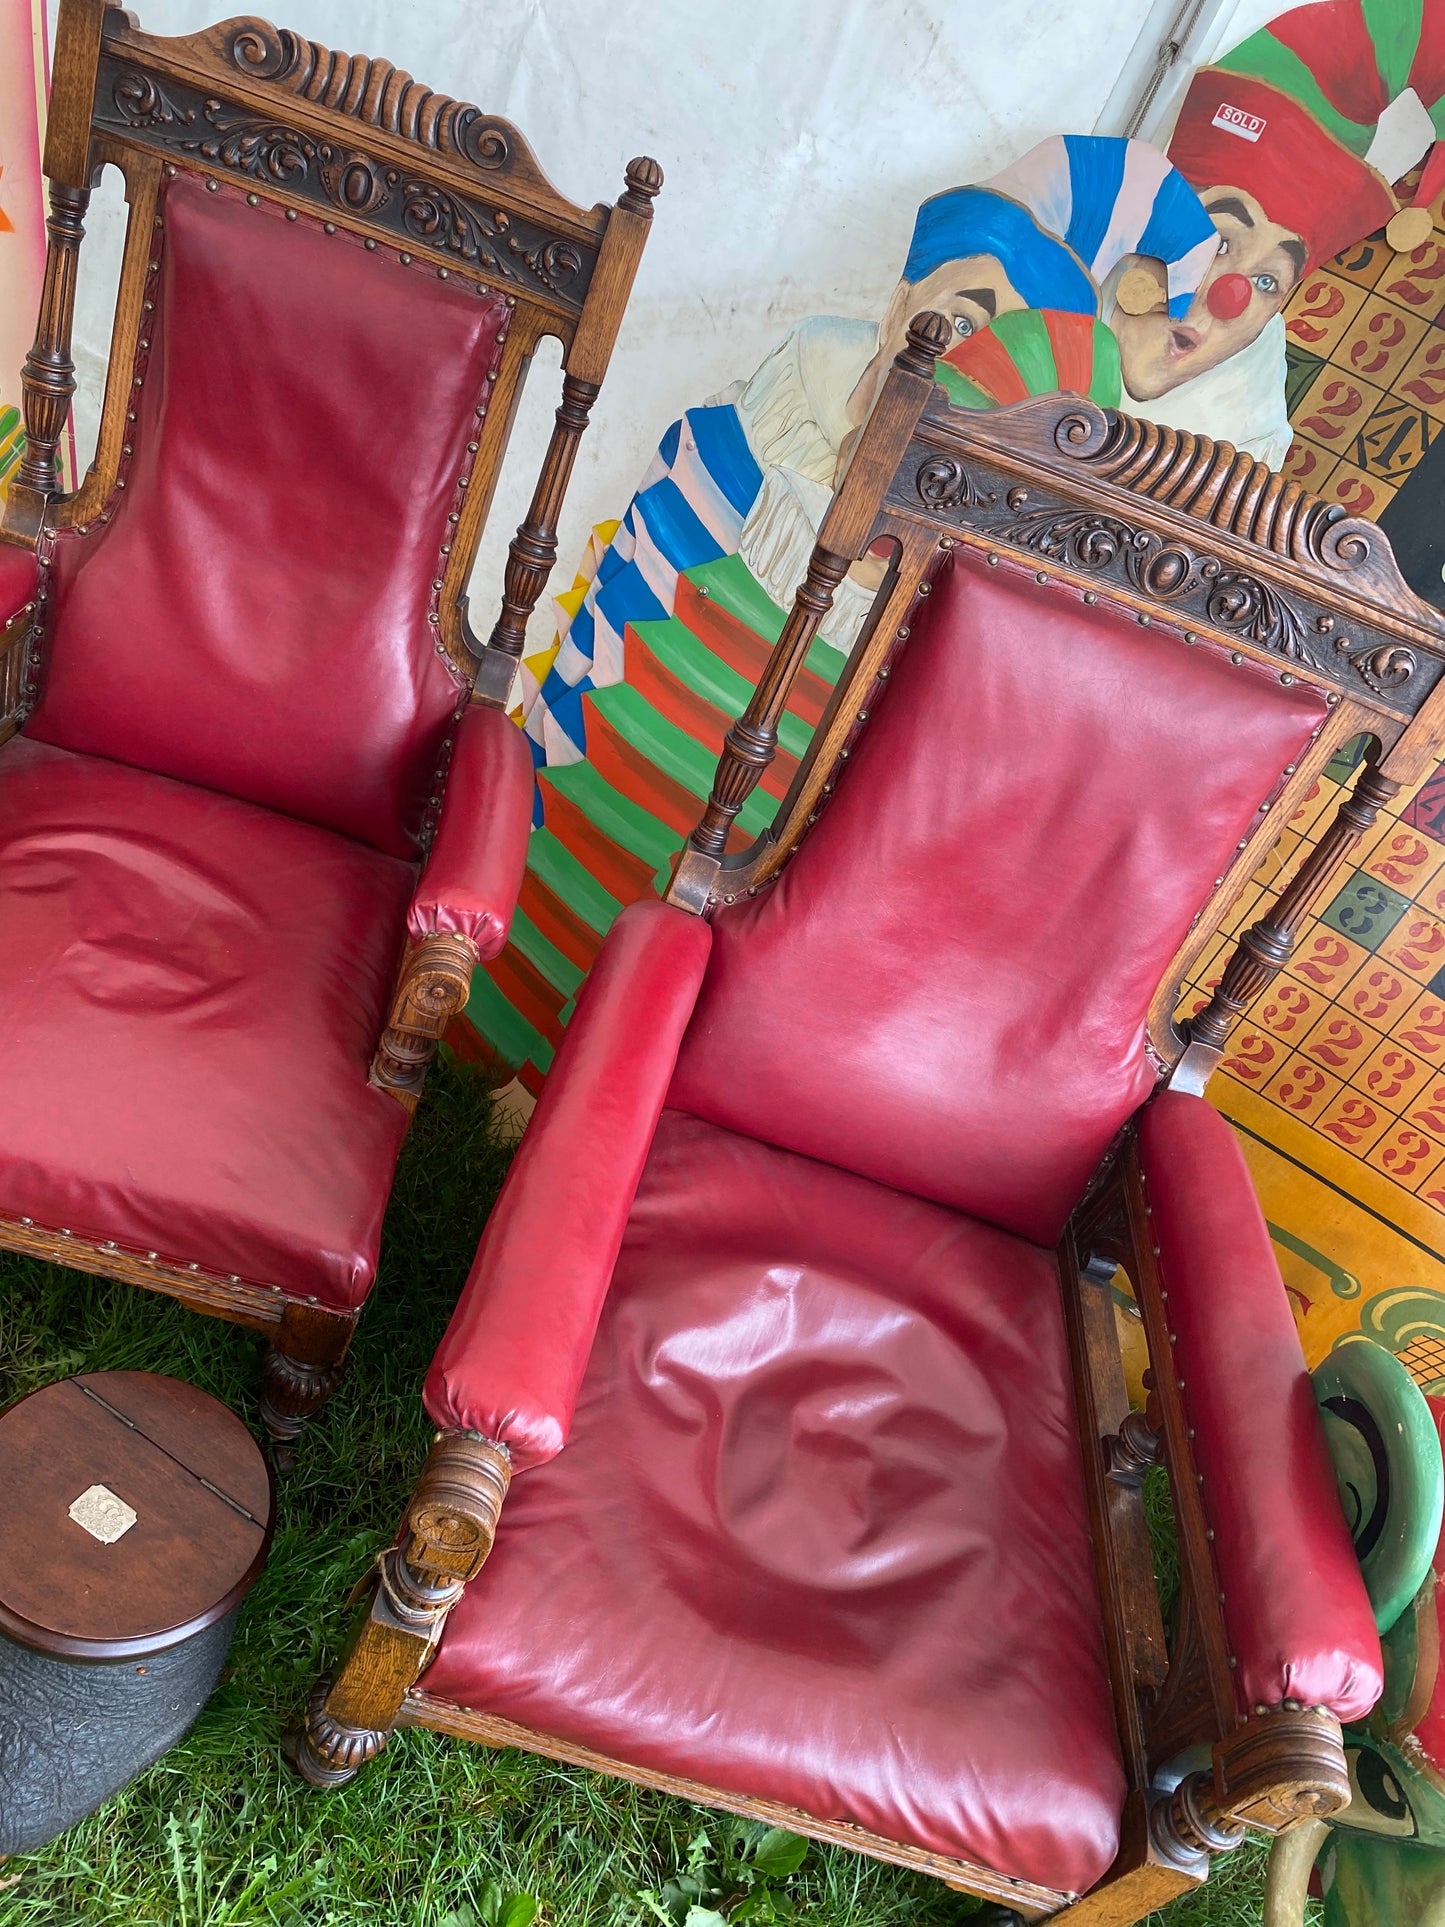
(136, 1512)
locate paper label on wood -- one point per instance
(99, 1512)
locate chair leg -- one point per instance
(302, 1368)
(451, 1522)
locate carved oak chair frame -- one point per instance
(1178, 532)
(427, 178)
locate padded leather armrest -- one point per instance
(1295, 1607)
(19, 578)
(512, 1359)
(470, 884)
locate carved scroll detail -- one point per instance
(434, 985)
(1284, 1766)
(370, 91)
(411, 207)
(1203, 583)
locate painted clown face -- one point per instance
(1257, 268)
(971, 292)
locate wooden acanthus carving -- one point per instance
(1281, 1767)
(1193, 580)
(533, 549)
(407, 204)
(1267, 946)
(435, 982)
(48, 378)
(450, 1526)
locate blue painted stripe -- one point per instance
(1096, 174)
(564, 708)
(1177, 223)
(627, 598)
(677, 534)
(725, 454)
(672, 440)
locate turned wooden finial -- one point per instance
(929, 334)
(644, 182)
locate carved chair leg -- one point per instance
(302, 1368)
(435, 982)
(450, 1525)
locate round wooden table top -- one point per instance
(137, 1511)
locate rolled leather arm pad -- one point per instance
(511, 1361)
(19, 579)
(470, 885)
(1295, 1607)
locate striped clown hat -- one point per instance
(1290, 113)
(1033, 352)
(1107, 198)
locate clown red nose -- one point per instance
(1228, 297)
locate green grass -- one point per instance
(219, 1833)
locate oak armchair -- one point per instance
(261, 809)
(790, 1345)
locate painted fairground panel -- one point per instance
(1338, 1086)
(22, 217)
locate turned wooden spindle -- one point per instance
(1267, 946)
(752, 741)
(533, 549)
(47, 380)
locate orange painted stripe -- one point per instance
(693, 713)
(744, 650)
(527, 991)
(577, 940)
(637, 777)
(626, 876)
(987, 361)
(1071, 336)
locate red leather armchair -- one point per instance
(261, 809)
(791, 1343)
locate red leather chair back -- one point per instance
(253, 614)
(947, 987)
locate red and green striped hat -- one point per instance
(1034, 351)
(1290, 113)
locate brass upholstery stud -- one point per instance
(253, 200)
(290, 214)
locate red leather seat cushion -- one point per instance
(254, 615)
(191, 989)
(819, 1534)
(947, 987)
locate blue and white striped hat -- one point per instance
(1107, 197)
